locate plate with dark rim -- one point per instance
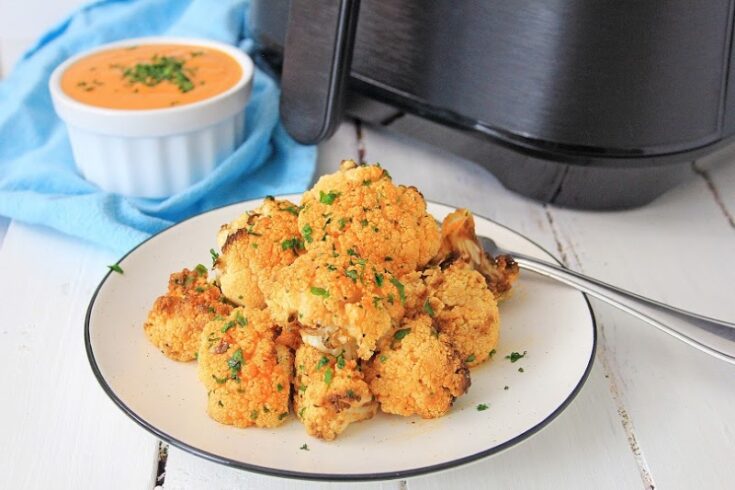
(552, 323)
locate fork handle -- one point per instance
(714, 337)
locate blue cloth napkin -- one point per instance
(38, 180)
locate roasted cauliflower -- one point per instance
(329, 393)
(417, 372)
(360, 208)
(342, 302)
(459, 242)
(177, 318)
(254, 247)
(246, 373)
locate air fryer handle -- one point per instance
(317, 58)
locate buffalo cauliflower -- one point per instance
(246, 373)
(329, 393)
(417, 372)
(459, 242)
(254, 247)
(360, 208)
(342, 301)
(177, 318)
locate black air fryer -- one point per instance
(590, 104)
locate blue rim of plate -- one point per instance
(357, 477)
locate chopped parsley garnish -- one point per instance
(379, 279)
(294, 244)
(352, 395)
(319, 292)
(227, 326)
(428, 309)
(304, 447)
(342, 222)
(301, 414)
(116, 268)
(282, 415)
(376, 301)
(219, 380)
(520, 370)
(214, 255)
(383, 358)
(364, 223)
(352, 252)
(514, 356)
(302, 388)
(306, 231)
(241, 320)
(401, 333)
(491, 353)
(390, 298)
(341, 360)
(352, 274)
(329, 197)
(400, 288)
(331, 267)
(470, 358)
(481, 407)
(161, 68)
(254, 414)
(328, 375)
(235, 364)
(201, 270)
(279, 387)
(252, 232)
(199, 289)
(322, 362)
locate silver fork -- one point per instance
(714, 337)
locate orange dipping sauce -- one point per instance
(151, 76)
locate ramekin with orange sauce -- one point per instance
(149, 117)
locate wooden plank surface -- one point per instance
(58, 428)
(679, 250)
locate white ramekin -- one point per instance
(154, 153)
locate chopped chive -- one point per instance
(322, 362)
(328, 376)
(319, 292)
(227, 326)
(116, 268)
(306, 231)
(401, 289)
(428, 309)
(329, 197)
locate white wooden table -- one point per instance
(653, 412)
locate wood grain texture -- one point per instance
(59, 430)
(678, 250)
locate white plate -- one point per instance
(553, 323)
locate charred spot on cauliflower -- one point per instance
(254, 247)
(342, 302)
(177, 318)
(459, 242)
(246, 373)
(329, 393)
(465, 310)
(360, 208)
(417, 372)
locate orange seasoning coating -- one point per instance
(151, 76)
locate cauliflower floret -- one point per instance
(330, 393)
(343, 302)
(254, 247)
(246, 373)
(465, 310)
(360, 208)
(177, 318)
(417, 372)
(459, 241)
